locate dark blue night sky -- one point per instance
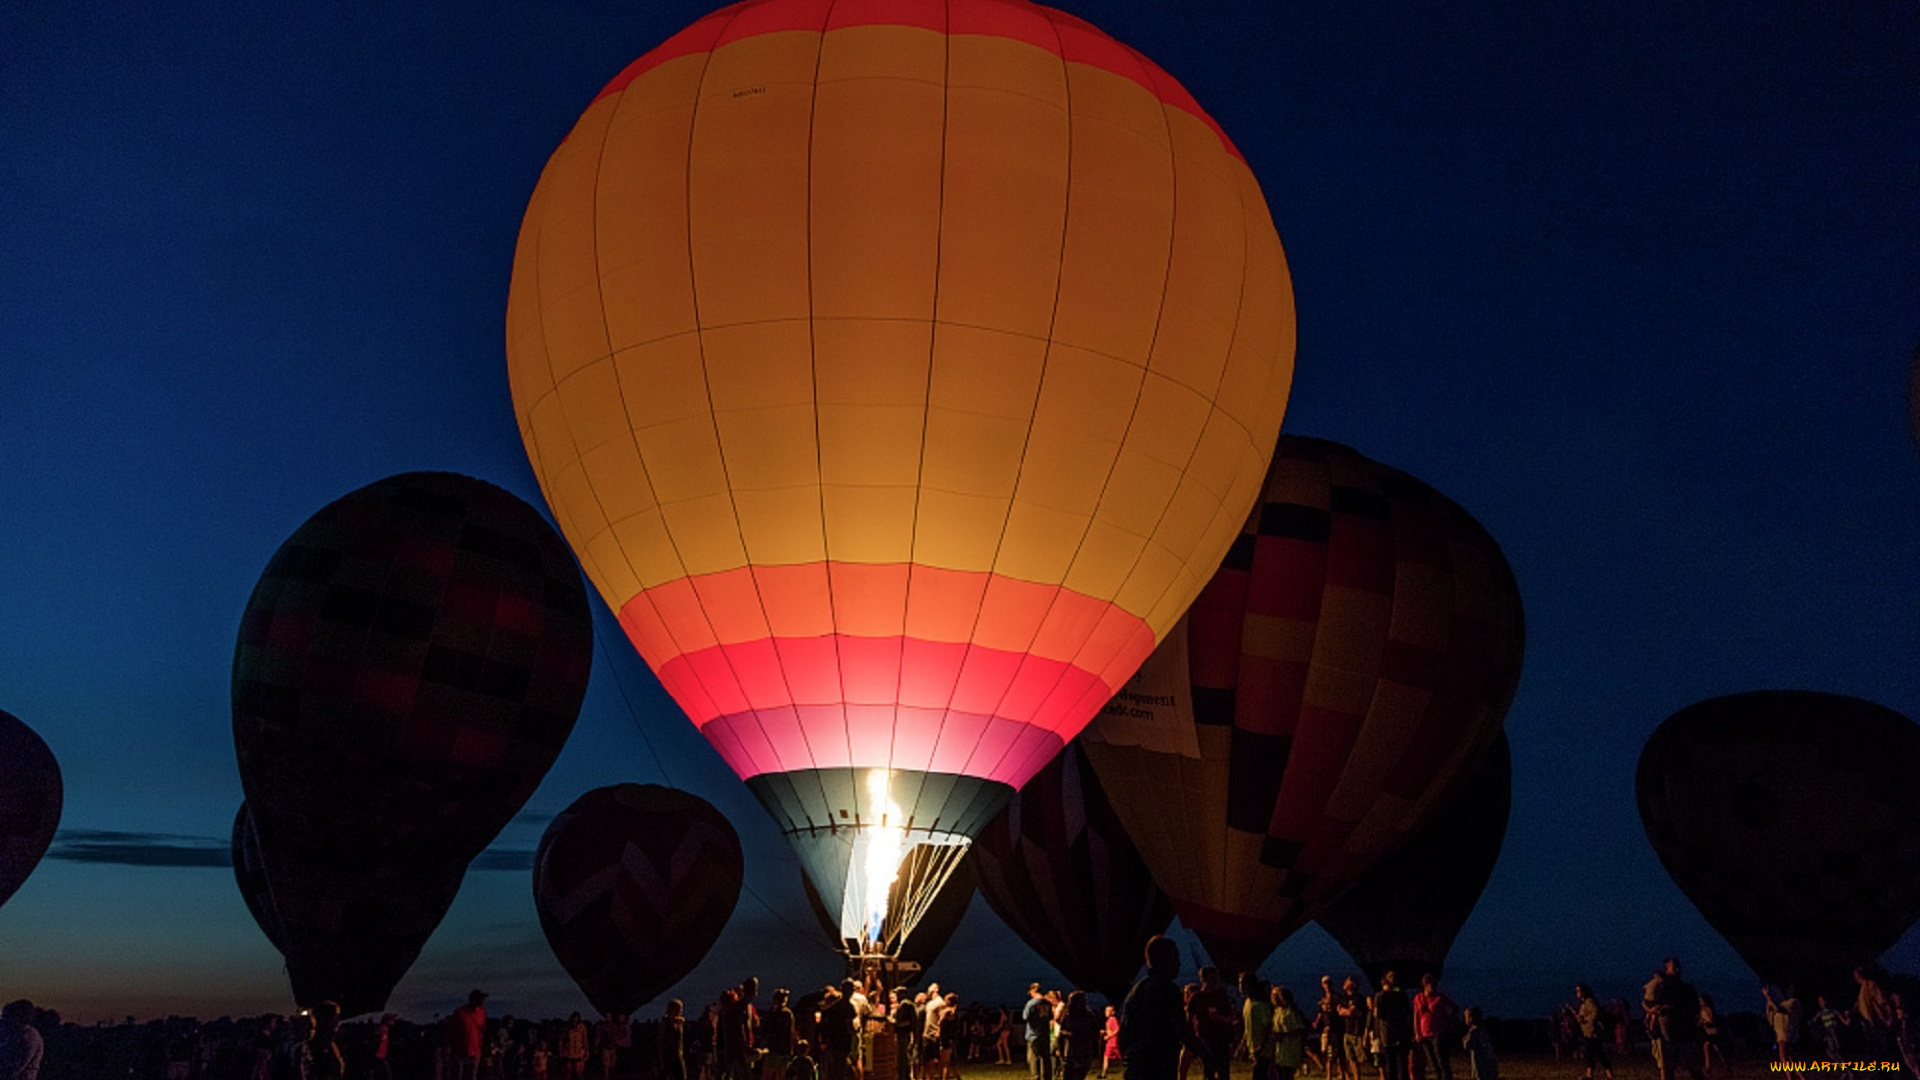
(1635, 282)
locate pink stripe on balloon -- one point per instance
(1003, 750)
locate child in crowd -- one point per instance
(1479, 1046)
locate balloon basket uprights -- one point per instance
(887, 968)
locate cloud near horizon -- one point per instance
(121, 848)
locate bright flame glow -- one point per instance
(886, 846)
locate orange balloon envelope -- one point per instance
(1355, 652)
(899, 372)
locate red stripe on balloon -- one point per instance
(1072, 39)
(926, 740)
(998, 674)
(817, 600)
(846, 670)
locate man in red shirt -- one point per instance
(466, 1034)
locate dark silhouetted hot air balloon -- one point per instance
(408, 666)
(1405, 912)
(1791, 819)
(250, 875)
(633, 884)
(932, 927)
(1356, 650)
(1058, 867)
(899, 373)
(30, 798)
(347, 937)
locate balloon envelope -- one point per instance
(250, 876)
(1356, 650)
(633, 884)
(1059, 869)
(30, 801)
(828, 333)
(408, 666)
(1791, 819)
(347, 937)
(1403, 914)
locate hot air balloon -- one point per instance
(899, 372)
(1791, 819)
(346, 937)
(408, 666)
(633, 884)
(1357, 649)
(932, 928)
(30, 797)
(1404, 913)
(250, 876)
(1059, 869)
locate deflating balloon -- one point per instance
(409, 665)
(1357, 649)
(1405, 912)
(633, 884)
(1059, 869)
(932, 928)
(346, 937)
(1791, 819)
(899, 373)
(30, 797)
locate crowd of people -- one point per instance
(1687, 1033)
(865, 1029)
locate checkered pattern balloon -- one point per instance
(633, 884)
(1058, 867)
(1791, 819)
(1403, 914)
(346, 938)
(30, 797)
(1355, 651)
(408, 666)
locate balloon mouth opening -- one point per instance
(893, 873)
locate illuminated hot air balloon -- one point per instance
(932, 927)
(1357, 649)
(1791, 819)
(347, 937)
(408, 667)
(1404, 913)
(633, 884)
(30, 798)
(1059, 869)
(899, 372)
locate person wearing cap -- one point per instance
(466, 1034)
